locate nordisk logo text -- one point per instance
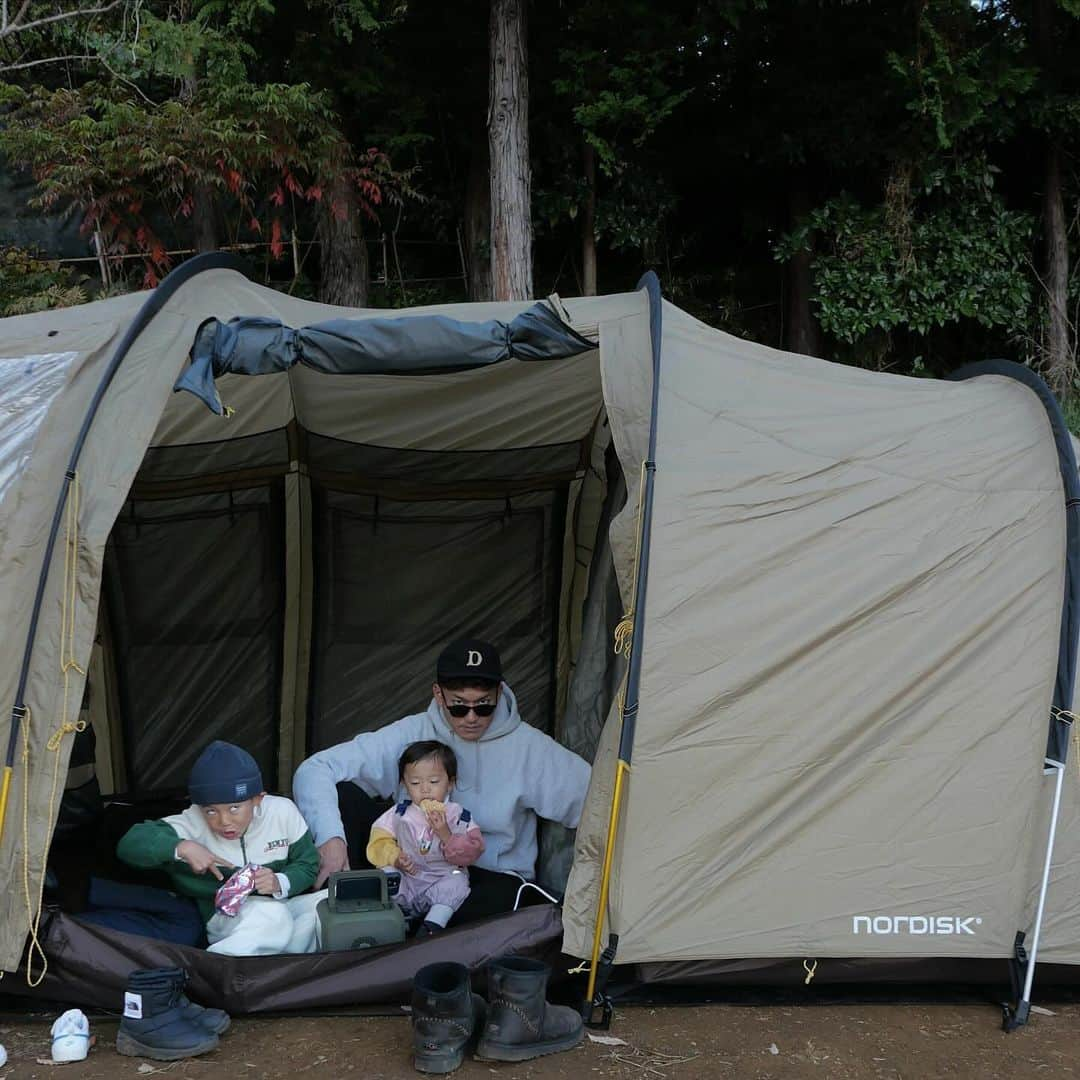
(915, 924)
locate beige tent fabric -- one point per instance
(109, 462)
(502, 407)
(584, 510)
(626, 366)
(851, 639)
(1059, 942)
(850, 636)
(626, 369)
(515, 404)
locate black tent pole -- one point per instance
(1061, 717)
(155, 302)
(600, 965)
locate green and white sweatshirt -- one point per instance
(278, 838)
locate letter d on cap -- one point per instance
(474, 659)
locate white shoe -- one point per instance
(3, 1056)
(71, 1036)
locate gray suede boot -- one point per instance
(215, 1020)
(154, 1024)
(520, 1022)
(446, 1017)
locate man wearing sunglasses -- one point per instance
(509, 774)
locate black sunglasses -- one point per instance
(459, 712)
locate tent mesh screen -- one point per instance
(444, 467)
(190, 460)
(395, 580)
(195, 591)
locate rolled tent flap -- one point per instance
(413, 345)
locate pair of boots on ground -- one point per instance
(516, 1023)
(161, 1023)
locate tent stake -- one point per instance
(1017, 1017)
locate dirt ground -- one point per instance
(658, 1043)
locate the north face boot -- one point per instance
(521, 1024)
(215, 1020)
(446, 1017)
(154, 1024)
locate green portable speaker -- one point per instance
(358, 912)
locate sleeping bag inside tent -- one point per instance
(815, 626)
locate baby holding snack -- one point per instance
(429, 840)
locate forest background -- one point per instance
(888, 184)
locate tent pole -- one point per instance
(1019, 1017)
(621, 769)
(634, 625)
(209, 261)
(5, 788)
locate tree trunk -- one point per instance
(203, 222)
(478, 220)
(1060, 364)
(344, 258)
(202, 219)
(588, 223)
(800, 327)
(508, 142)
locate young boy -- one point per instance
(428, 839)
(232, 822)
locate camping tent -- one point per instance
(850, 631)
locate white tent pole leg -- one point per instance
(1023, 1007)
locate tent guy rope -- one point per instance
(68, 665)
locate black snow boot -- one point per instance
(154, 1025)
(215, 1020)
(520, 1022)
(446, 1017)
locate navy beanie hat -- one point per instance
(224, 773)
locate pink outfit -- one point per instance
(441, 877)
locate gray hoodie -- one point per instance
(507, 778)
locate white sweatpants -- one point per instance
(265, 927)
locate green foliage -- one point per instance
(632, 210)
(1071, 409)
(620, 72)
(30, 283)
(621, 100)
(959, 72)
(715, 129)
(948, 251)
(175, 120)
(260, 149)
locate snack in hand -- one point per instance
(236, 890)
(430, 805)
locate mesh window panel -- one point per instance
(395, 581)
(196, 597)
(189, 460)
(442, 466)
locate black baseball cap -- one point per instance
(469, 658)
